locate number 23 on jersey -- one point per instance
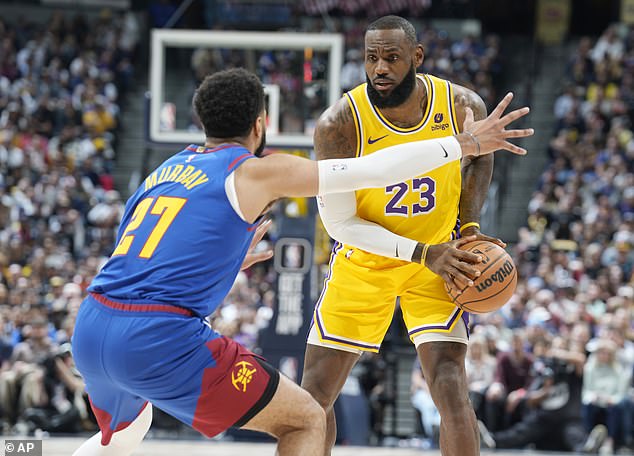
(426, 187)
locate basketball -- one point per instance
(496, 284)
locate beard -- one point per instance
(260, 149)
(397, 96)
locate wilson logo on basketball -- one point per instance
(242, 375)
(498, 276)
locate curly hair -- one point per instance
(392, 23)
(228, 102)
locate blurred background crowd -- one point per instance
(62, 86)
(560, 353)
(556, 362)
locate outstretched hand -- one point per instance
(488, 135)
(253, 257)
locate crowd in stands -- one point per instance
(61, 88)
(553, 368)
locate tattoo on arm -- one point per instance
(465, 98)
(335, 135)
(476, 172)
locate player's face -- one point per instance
(397, 95)
(390, 66)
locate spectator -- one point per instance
(605, 385)
(22, 387)
(67, 411)
(353, 71)
(553, 400)
(423, 403)
(608, 46)
(480, 366)
(372, 373)
(512, 377)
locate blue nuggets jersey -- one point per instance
(180, 240)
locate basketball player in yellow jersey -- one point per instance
(396, 242)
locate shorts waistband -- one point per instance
(141, 307)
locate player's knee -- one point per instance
(321, 395)
(452, 399)
(449, 387)
(314, 420)
(324, 402)
(310, 417)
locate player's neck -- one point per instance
(411, 112)
(215, 142)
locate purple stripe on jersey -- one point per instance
(342, 341)
(465, 318)
(337, 247)
(436, 327)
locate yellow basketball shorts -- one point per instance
(357, 303)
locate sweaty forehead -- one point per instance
(392, 39)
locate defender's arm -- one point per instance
(260, 181)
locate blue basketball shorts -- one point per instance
(130, 354)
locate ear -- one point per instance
(419, 55)
(258, 127)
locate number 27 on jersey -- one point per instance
(166, 208)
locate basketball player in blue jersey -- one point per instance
(141, 337)
(395, 243)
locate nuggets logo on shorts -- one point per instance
(242, 375)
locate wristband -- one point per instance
(423, 255)
(467, 225)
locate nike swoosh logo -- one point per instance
(372, 141)
(445, 151)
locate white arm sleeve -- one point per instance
(386, 166)
(338, 212)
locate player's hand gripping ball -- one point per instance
(495, 285)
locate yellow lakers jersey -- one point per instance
(424, 208)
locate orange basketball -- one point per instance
(496, 284)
